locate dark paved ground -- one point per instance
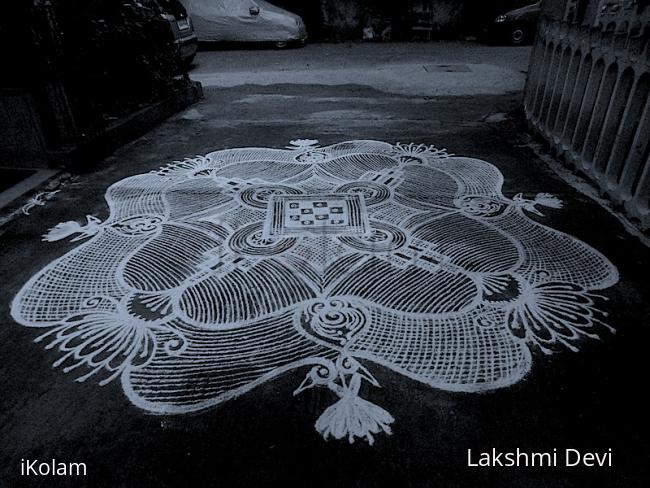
(592, 400)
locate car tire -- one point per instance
(187, 62)
(518, 35)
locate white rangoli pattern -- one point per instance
(215, 274)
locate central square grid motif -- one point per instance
(340, 214)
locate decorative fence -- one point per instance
(587, 95)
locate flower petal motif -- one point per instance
(553, 314)
(299, 144)
(215, 274)
(106, 341)
(415, 152)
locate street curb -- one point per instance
(125, 130)
(82, 156)
(28, 196)
(39, 178)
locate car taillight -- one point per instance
(183, 24)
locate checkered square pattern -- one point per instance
(341, 214)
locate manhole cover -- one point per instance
(446, 68)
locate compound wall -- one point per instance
(587, 94)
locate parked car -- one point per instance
(516, 27)
(245, 21)
(181, 27)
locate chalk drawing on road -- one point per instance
(218, 273)
(38, 200)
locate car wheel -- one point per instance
(518, 35)
(187, 62)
